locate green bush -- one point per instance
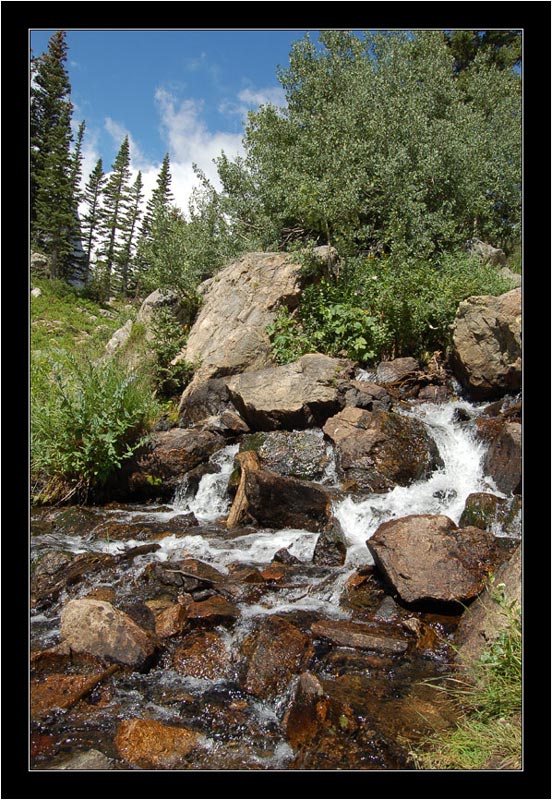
(382, 307)
(169, 337)
(86, 419)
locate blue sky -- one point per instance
(182, 91)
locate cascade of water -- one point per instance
(445, 491)
(210, 501)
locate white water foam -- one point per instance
(210, 501)
(445, 491)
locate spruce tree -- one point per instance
(129, 227)
(116, 202)
(161, 198)
(91, 219)
(52, 201)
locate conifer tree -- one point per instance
(116, 202)
(161, 198)
(52, 202)
(129, 227)
(91, 219)
(76, 165)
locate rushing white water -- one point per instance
(445, 491)
(210, 500)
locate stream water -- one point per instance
(240, 731)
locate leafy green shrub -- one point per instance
(86, 419)
(169, 338)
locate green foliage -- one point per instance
(489, 730)
(380, 146)
(86, 419)
(169, 338)
(382, 307)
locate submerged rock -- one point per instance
(427, 557)
(377, 451)
(95, 626)
(274, 653)
(307, 712)
(486, 354)
(149, 744)
(203, 654)
(359, 635)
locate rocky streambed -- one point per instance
(282, 603)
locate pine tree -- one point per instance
(52, 202)
(161, 198)
(76, 165)
(91, 219)
(116, 201)
(129, 227)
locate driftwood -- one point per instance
(249, 462)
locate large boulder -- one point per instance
(500, 515)
(297, 395)
(503, 460)
(160, 299)
(229, 334)
(486, 353)
(277, 502)
(485, 619)
(294, 454)
(159, 467)
(96, 627)
(427, 557)
(379, 450)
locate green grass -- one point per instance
(63, 318)
(488, 733)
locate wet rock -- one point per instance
(203, 400)
(307, 712)
(486, 353)
(388, 610)
(203, 654)
(50, 563)
(396, 370)
(149, 744)
(362, 394)
(482, 623)
(427, 557)
(94, 626)
(73, 520)
(503, 460)
(363, 591)
(294, 396)
(331, 546)
(46, 587)
(358, 635)
(228, 424)
(138, 611)
(283, 556)
(434, 394)
(172, 620)
(489, 512)
(293, 454)
(274, 653)
(145, 529)
(379, 450)
(213, 611)
(159, 468)
(278, 502)
(87, 760)
(62, 691)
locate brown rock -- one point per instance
(307, 712)
(396, 370)
(427, 557)
(62, 691)
(379, 450)
(355, 634)
(363, 394)
(278, 502)
(96, 627)
(292, 396)
(331, 547)
(482, 623)
(158, 469)
(486, 354)
(503, 459)
(492, 513)
(203, 654)
(276, 652)
(213, 611)
(172, 620)
(148, 744)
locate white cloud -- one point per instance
(190, 141)
(257, 97)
